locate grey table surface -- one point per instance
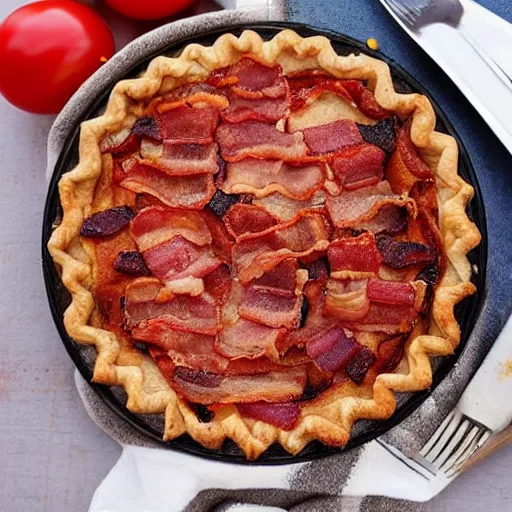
(52, 456)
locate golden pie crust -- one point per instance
(330, 417)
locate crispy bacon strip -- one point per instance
(346, 299)
(107, 222)
(259, 140)
(301, 233)
(364, 99)
(306, 88)
(192, 94)
(318, 99)
(252, 79)
(284, 415)
(205, 388)
(222, 242)
(143, 289)
(425, 228)
(244, 366)
(358, 254)
(332, 350)
(181, 159)
(155, 225)
(191, 192)
(146, 200)
(282, 280)
(391, 292)
(179, 312)
(218, 283)
(275, 299)
(178, 259)
(394, 305)
(405, 166)
(196, 351)
(360, 363)
(358, 166)
(316, 323)
(243, 338)
(390, 353)
(286, 209)
(188, 125)
(121, 143)
(188, 349)
(299, 238)
(387, 318)
(175, 245)
(398, 254)
(264, 109)
(248, 339)
(332, 137)
(363, 204)
(247, 219)
(264, 177)
(389, 220)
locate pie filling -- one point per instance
(272, 236)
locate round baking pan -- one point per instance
(83, 356)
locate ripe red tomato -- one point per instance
(149, 9)
(47, 50)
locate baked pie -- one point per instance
(264, 241)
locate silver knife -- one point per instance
(474, 48)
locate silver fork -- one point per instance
(445, 453)
(484, 409)
(453, 443)
(416, 14)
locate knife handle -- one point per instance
(488, 397)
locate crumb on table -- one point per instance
(372, 43)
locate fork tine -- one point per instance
(477, 441)
(401, 11)
(416, 10)
(443, 439)
(452, 444)
(461, 450)
(414, 7)
(437, 434)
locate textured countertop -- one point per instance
(52, 456)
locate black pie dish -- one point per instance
(467, 312)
